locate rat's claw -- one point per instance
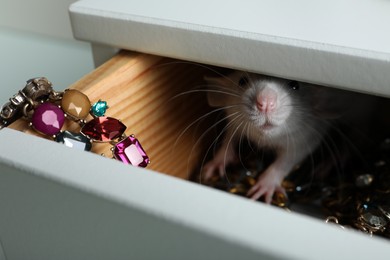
(265, 187)
(211, 167)
(258, 191)
(224, 157)
(221, 170)
(208, 171)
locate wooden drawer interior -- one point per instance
(149, 95)
(162, 102)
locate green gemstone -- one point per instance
(99, 108)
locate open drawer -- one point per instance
(61, 203)
(65, 204)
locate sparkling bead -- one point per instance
(372, 215)
(279, 199)
(239, 189)
(130, 151)
(103, 129)
(99, 108)
(74, 140)
(373, 220)
(364, 180)
(75, 104)
(17, 99)
(48, 119)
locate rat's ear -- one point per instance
(216, 87)
(319, 101)
(218, 81)
(328, 103)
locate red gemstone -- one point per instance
(103, 129)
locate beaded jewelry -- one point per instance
(47, 110)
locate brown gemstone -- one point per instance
(103, 129)
(75, 104)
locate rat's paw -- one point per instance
(266, 186)
(219, 163)
(212, 167)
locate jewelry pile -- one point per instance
(352, 198)
(47, 110)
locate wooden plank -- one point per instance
(141, 91)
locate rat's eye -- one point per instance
(243, 82)
(294, 85)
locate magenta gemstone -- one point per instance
(130, 151)
(103, 129)
(48, 119)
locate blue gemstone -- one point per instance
(74, 140)
(99, 108)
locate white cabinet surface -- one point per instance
(136, 213)
(339, 43)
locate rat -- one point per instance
(288, 117)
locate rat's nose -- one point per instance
(266, 100)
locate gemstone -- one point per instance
(18, 99)
(130, 151)
(364, 180)
(74, 140)
(103, 129)
(48, 119)
(374, 220)
(99, 108)
(239, 189)
(75, 104)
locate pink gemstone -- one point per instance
(130, 151)
(103, 129)
(48, 119)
